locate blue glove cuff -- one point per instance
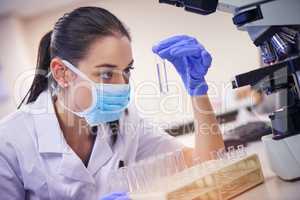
(199, 90)
(196, 87)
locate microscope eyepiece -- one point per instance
(203, 7)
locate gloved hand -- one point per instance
(116, 196)
(190, 59)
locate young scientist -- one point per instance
(76, 127)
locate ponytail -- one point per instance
(40, 81)
(71, 38)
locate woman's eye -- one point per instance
(128, 71)
(106, 75)
(109, 75)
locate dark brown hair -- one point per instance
(70, 39)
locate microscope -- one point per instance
(274, 27)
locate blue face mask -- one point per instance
(108, 100)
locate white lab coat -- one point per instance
(36, 163)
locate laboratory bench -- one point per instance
(273, 187)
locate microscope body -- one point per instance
(274, 27)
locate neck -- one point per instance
(76, 133)
(74, 128)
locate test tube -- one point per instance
(132, 180)
(241, 150)
(118, 180)
(140, 177)
(221, 154)
(162, 75)
(231, 152)
(180, 161)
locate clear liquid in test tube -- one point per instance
(162, 75)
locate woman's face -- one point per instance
(108, 60)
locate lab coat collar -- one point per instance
(102, 153)
(50, 140)
(73, 168)
(48, 132)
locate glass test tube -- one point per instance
(162, 75)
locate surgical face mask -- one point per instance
(108, 100)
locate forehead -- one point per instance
(111, 50)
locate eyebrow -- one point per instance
(114, 66)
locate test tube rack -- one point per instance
(223, 181)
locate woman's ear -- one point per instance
(60, 72)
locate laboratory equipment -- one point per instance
(141, 176)
(274, 27)
(162, 74)
(190, 59)
(220, 179)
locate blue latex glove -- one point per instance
(190, 59)
(116, 196)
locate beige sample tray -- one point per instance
(202, 182)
